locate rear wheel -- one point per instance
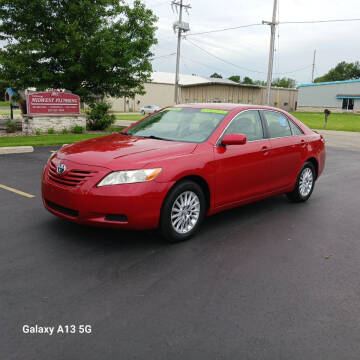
(304, 184)
(182, 212)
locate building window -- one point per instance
(348, 104)
(286, 104)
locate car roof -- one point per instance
(225, 106)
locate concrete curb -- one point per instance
(16, 150)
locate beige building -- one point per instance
(194, 89)
(220, 91)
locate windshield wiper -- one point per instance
(156, 137)
(123, 133)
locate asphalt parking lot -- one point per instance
(270, 280)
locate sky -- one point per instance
(246, 51)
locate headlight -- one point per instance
(129, 177)
(51, 156)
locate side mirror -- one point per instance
(234, 139)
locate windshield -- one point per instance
(180, 124)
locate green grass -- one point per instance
(53, 139)
(45, 140)
(114, 128)
(134, 117)
(336, 121)
(7, 112)
(4, 103)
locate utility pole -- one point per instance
(271, 53)
(313, 67)
(181, 27)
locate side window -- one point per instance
(247, 123)
(278, 124)
(295, 129)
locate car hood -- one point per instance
(119, 151)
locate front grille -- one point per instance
(71, 178)
(62, 209)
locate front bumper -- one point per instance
(129, 206)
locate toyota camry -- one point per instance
(174, 167)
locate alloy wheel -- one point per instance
(306, 182)
(185, 212)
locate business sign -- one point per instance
(53, 102)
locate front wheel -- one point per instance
(304, 184)
(182, 212)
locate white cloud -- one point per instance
(249, 47)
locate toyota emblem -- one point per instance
(61, 169)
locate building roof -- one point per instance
(222, 82)
(185, 80)
(330, 83)
(188, 80)
(169, 78)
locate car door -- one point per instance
(287, 148)
(242, 171)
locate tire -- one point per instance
(177, 222)
(143, 112)
(304, 184)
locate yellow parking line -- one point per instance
(16, 191)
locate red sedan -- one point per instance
(182, 163)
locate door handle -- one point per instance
(303, 143)
(265, 149)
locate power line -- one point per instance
(316, 21)
(243, 68)
(225, 29)
(279, 23)
(211, 68)
(223, 60)
(162, 56)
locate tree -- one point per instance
(216, 75)
(342, 71)
(260, 82)
(93, 48)
(248, 80)
(284, 82)
(235, 78)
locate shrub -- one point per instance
(37, 132)
(10, 126)
(65, 131)
(51, 131)
(77, 129)
(98, 117)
